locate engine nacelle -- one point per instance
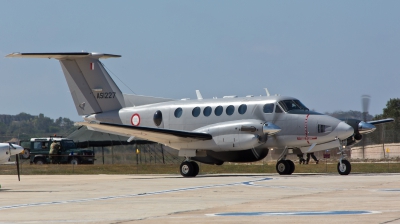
(234, 135)
(354, 139)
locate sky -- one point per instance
(325, 53)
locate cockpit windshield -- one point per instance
(289, 105)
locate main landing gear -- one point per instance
(189, 168)
(343, 166)
(284, 166)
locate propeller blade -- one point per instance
(365, 99)
(387, 120)
(17, 161)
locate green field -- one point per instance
(68, 169)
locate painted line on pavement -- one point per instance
(304, 213)
(246, 183)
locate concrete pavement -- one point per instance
(229, 198)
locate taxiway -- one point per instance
(226, 198)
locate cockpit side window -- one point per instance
(268, 108)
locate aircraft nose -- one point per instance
(344, 130)
(18, 149)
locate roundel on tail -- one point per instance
(135, 119)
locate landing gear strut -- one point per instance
(343, 166)
(284, 166)
(189, 168)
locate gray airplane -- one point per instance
(211, 131)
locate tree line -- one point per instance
(25, 126)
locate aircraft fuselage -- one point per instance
(229, 121)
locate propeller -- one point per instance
(362, 127)
(365, 99)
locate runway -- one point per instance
(226, 198)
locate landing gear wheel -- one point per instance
(196, 168)
(292, 167)
(282, 167)
(345, 168)
(186, 169)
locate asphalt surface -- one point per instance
(225, 198)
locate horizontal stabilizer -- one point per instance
(92, 88)
(62, 55)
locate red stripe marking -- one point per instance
(306, 128)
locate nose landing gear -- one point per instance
(343, 166)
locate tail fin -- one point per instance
(92, 88)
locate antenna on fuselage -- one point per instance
(199, 96)
(266, 90)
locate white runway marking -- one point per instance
(307, 213)
(246, 183)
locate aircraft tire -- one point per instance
(196, 168)
(345, 169)
(292, 167)
(282, 167)
(186, 169)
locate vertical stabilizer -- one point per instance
(91, 87)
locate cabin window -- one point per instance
(207, 111)
(268, 108)
(196, 111)
(157, 118)
(242, 109)
(230, 109)
(178, 112)
(218, 110)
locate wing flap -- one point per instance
(159, 135)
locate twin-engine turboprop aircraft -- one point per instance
(212, 131)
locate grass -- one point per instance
(68, 169)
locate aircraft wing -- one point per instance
(381, 121)
(159, 135)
